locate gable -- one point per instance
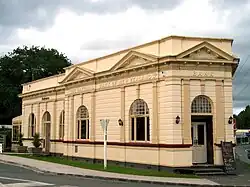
(205, 51)
(134, 59)
(77, 74)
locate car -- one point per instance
(248, 153)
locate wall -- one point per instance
(48, 82)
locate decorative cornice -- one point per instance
(167, 60)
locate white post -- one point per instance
(105, 147)
(104, 124)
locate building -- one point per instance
(242, 136)
(169, 103)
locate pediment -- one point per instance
(134, 59)
(205, 51)
(77, 74)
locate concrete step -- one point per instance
(210, 173)
(201, 170)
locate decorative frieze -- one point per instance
(203, 74)
(80, 89)
(129, 80)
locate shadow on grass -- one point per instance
(110, 168)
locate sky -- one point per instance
(85, 29)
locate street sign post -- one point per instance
(104, 124)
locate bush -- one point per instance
(36, 140)
(20, 139)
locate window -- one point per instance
(201, 104)
(82, 116)
(139, 118)
(32, 125)
(16, 132)
(61, 125)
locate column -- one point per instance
(71, 119)
(93, 117)
(54, 124)
(38, 119)
(186, 113)
(155, 127)
(24, 122)
(220, 113)
(66, 123)
(122, 128)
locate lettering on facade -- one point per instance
(202, 74)
(80, 89)
(129, 80)
(45, 98)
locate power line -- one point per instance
(246, 73)
(241, 66)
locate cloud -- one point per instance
(85, 29)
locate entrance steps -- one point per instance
(201, 170)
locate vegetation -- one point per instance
(8, 133)
(110, 168)
(243, 119)
(24, 65)
(36, 140)
(20, 139)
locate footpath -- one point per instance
(59, 169)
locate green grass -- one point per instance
(110, 167)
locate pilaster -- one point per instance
(122, 128)
(186, 113)
(220, 112)
(93, 116)
(155, 127)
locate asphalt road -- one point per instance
(15, 176)
(241, 152)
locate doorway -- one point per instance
(46, 121)
(202, 139)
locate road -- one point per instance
(13, 176)
(242, 153)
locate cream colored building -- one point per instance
(169, 103)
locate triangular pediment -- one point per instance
(77, 74)
(134, 59)
(205, 51)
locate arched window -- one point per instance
(32, 125)
(61, 125)
(82, 118)
(201, 104)
(139, 118)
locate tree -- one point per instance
(243, 119)
(25, 65)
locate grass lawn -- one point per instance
(110, 168)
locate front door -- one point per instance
(199, 142)
(47, 137)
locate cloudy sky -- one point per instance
(84, 29)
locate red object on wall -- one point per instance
(234, 123)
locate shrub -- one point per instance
(20, 139)
(36, 140)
